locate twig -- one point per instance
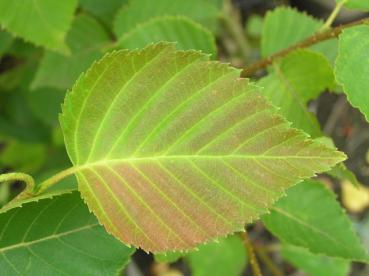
(250, 252)
(316, 38)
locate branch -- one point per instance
(316, 38)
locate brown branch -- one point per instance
(251, 255)
(318, 37)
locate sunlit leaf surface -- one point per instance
(171, 149)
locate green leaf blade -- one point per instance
(57, 236)
(310, 217)
(187, 35)
(173, 123)
(49, 24)
(296, 79)
(140, 11)
(352, 66)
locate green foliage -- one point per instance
(315, 265)
(214, 127)
(69, 236)
(139, 11)
(104, 10)
(310, 217)
(224, 257)
(284, 27)
(352, 66)
(24, 157)
(43, 22)
(356, 4)
(5, 41)
(85, 40)
(298, 78)
(185, 33)
(169, 148)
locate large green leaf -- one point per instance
(85, 40)
(315, 265)
(352, 66)
(187, 34)
(297, 79)
(309, 216)
(43, 22)
(139, 11)
(57, 237)
(225, 257)
(153, 133)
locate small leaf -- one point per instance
(310, 217)
(296, 79)
(225, 257)
(57, 237)
(155, 132)
(352, 66)
(85, 40)
(43, 22)
(315, 265)
(140, 11)
(187, 34)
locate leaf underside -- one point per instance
(172, 150)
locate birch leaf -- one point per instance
(172, 150)
(42, 22)
(57, 236)
(352, 66)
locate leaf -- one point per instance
(58, 237)
(310, 217)
(153, 133)
(140, 11)
(295, 80)
(43, 22)
(5, 41)
(17, 119)
(352, 66)
(315, 265)
(24, 157)
(187, 34)
(45, 104)
(105, 10)
(169, 257)
(85, 40)
(284, 27)
(356, 4)
(225, 257)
